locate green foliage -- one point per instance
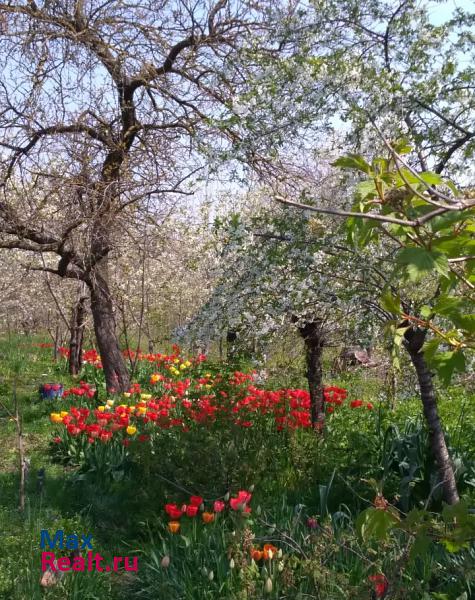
(331, 480)
(374, 523)
(419, 262)
(431, 249)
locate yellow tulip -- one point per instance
(63, 413)
(131, 429)
(110, 402)
(55, 418)
(127, 394)
(145, 396)
(101, 408)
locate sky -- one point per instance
(440, 11)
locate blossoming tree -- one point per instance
(281, 268)
(105, 107)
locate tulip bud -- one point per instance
(165, 561)
(211, 575)
(251, 488)
(312, 523)
(204, 571)
(280, 553)
(202, 507)
(259, 511)
(280, 566)
(232, 564)
(268, 586)
(226, 497)
(270, 554)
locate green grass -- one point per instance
(303, 475)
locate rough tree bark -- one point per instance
(414, 340)
(78, 321)
(102, 308)
(314, 340)
(231, 344)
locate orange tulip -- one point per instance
(207, 517)
(257, 555)
(174, 526)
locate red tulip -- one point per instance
(196, 500)
(173, 511)
(191, 511)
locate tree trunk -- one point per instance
(231, 344)
(56, 344)
(78, 322)
(24, 463)
(414, 340)
(313, 337)
(115, 370)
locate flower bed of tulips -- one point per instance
(266, 562)
(179, 393)
(178, 453)
(196, 506)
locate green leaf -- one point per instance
(186, 540)
(405, 177)
(399, 334)
(420, 547)
(446, 363)
(431, 178)
(453, 546)
(455, 247)
(448, 306)
(391, 303)
(419, 262)
(430, 348)
(374, 523)
(366, 189)
(445, 221)
(361, 231)
(458, 513)
(353, 161)
(464, 322)
(426, 311)
(403, 147)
